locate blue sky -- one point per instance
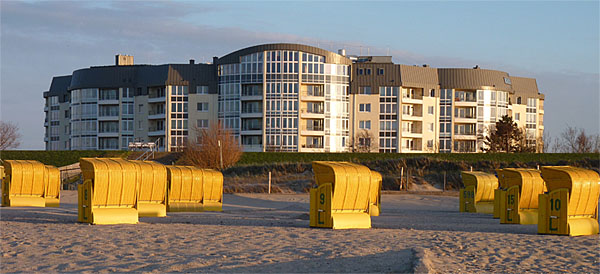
(555, 42)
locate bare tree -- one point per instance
(9, 135)
(545, 142)
(364, 141)
(216, 148)
(574, 140)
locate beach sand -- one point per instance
(270, 233)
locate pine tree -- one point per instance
(506, 137)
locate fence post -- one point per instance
(444, 189)
(269, 182)
(401, 175)
(407, 176)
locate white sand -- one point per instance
(270, 233)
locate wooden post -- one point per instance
(401, 175)
(444, 189)
(407, 176)
(269, 182)
(471, 168)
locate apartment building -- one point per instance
(288, 97)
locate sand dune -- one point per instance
(270, 233)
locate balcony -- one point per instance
(312, 96)
(108, 134)
(252, 148)
(152, 115)
(160, 99)
(313, 130)
(250, 130)
(312, 113)
(252, 95)
(412, 117)
(470, 102)
(156, 132)
(412, 149)
(465, 135)
(412, 133)
(108, 101)
(413, 100)
(108, 117)
(251, 113)
(469, 119)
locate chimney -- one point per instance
(123, 60)
(192, 61)
(215, 59)
(342, 52)
(425, 65)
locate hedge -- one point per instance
(58, 158)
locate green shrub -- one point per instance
(58, 158)
(254, 158)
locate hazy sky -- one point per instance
(555, 42)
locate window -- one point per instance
(431, 127)
(203, 107)
(364, 142)
(432, 93)
(364, 107)
(359, 71)
(364, 124)
(430, 143)
(380, 71)
(430, 109)
(364, 90)
(202, 123)
(518, 100)
(368, 71)
(517, 116)
(201, 89)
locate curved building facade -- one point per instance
(289, 97)
(286, 97)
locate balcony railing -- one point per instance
(156, 112)
(251, 128)
(252, 93)
(313, 110)
(312, 146)
(314, 128)
(318, 93)
(251, 110)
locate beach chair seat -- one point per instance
(152, 189)
(478, 193)
(108, 194)
(570, 207)
(347, 195)
(519, 195)
(52, 186)
(24, 184)
(192, 189)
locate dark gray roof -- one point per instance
(144, 76)
(59, 86)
